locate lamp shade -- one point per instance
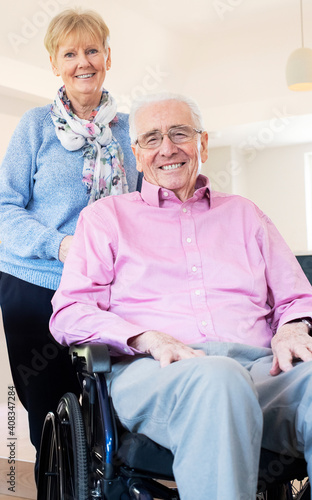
(299, 70)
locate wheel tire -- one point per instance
(73, 459)
(299, 490)
(294, 490)
(278, 492)
(49, 466)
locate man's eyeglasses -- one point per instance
(178, 135)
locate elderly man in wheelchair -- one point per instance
(206, 315)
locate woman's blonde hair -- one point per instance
(78, 23)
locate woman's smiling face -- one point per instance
(82, 64)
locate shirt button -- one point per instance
(189, 240)
(165, 193)
(184, 210)
(197, 292)
(204, 323)
(194, 269)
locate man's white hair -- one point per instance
(158, 97)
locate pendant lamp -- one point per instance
(299, 65)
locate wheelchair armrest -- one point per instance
(94, 357)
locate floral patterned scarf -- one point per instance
(103, 171)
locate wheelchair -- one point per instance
(86, 454)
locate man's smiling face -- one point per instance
(170, 166)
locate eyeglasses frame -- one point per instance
(167, 133)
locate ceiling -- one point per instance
(229, 55)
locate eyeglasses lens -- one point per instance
(177, 135)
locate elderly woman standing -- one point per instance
(61, 157)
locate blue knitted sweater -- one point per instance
(42, 194)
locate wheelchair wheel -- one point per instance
(49, 467)
(72, 450)
(294, 490)
(278, 492)
(63, 470)
(299, 490)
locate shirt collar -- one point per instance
(153, 194)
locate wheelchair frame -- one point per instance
(86, 455)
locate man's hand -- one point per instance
(163, 347)
(64, 247)
(291, 341)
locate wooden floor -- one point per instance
(5, 497)
(24, 456)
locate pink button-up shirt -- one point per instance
(213, 268)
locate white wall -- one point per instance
(218, 168)
(275, 181)
(273, 178)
